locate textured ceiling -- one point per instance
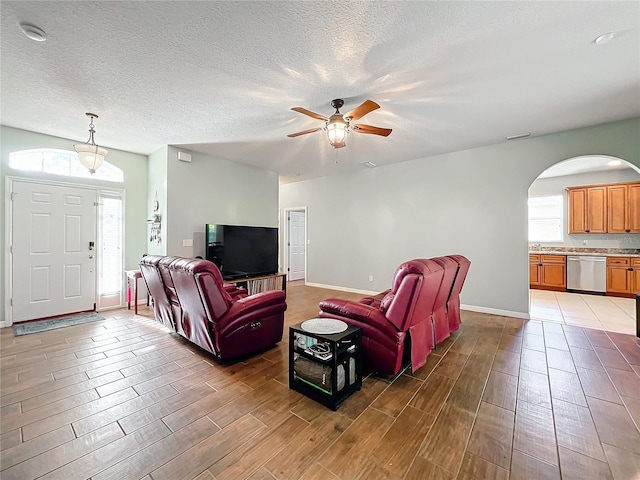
(220, 77)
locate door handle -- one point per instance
(90, 256)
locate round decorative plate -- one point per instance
(326, 326)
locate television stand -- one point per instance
(262, 283)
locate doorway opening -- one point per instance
(569, 263)
(295, 244)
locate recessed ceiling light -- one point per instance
(614, 163)
(33, 32)
(519, 135)
(369, 164)
(606, 38)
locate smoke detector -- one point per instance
(33, 32)
(606, 37)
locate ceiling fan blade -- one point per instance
(372, 130)
(304, 111)
(297, 134)
(360, 111)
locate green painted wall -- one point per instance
(472, 202)
(135, 186)
(215, 190)
(157, 188)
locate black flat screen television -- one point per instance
(241, 251)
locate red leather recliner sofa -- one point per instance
(191, 298)
(423, 307)
(405, 310)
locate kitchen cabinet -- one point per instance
(587, 209)
(548, 272)
(611, 208)
(633, 197)
(534, 270)
(623, 276)
(623, 210)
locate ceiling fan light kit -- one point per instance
(336, 130)
(338, 125)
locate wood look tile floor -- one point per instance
(501, 399)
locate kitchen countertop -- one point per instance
(589, 254)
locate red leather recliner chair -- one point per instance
(453, 305)
(162, 307)
(174, 303)
(215, 321)
(440, 319)
(405, 311)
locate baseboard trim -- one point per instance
(343, 289)
(5, 324)
(495, 311)
(471, 308)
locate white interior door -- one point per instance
(296, 244)
(53, 270)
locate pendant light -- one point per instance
(90, 154)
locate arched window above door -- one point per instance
(61, 162)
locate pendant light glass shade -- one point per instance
(91, 155)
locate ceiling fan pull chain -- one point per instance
(336, 156)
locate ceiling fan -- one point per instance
(338, 125)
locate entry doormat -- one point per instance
(43, 325)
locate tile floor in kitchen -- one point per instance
(613, 314)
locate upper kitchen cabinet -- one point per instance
(604, 208)
(587, 209)
(624, 208)
(633, 197)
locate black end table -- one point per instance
(325, 367)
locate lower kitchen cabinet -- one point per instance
(534, 271)
(623, 276)
(548, 272)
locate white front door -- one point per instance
(53, 265)
(296, 245)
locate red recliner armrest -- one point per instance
(234, 291)
(248, 305)
(262, 299)
(357, 311)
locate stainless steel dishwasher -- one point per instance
(587, 273)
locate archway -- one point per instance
(580, 258)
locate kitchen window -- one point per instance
(545, 218)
